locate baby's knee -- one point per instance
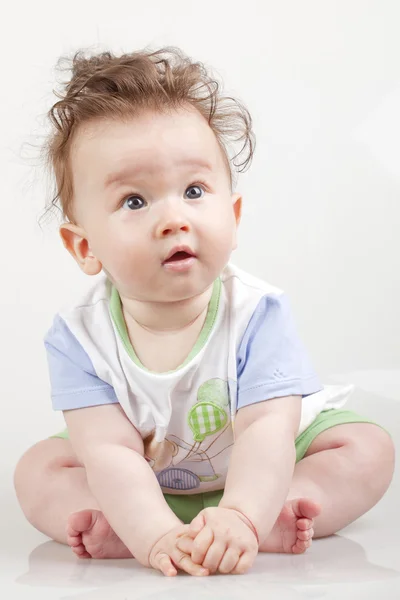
(34, 471)
(26, 480)
(376, 455)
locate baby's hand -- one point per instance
(166, 557)
(221, 539)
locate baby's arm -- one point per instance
(111, 450)
(121, 480)
(263, 460)
(273, 374)
(259, 476)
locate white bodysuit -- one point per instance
(248, 351)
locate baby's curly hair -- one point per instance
(119, 87)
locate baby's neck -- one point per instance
(166, 317)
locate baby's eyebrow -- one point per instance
(132, 170)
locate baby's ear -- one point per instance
(237, 207)
(237, 210)
(75, 240)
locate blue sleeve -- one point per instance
(272, 361)
(73, 380)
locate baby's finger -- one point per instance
(185, 563)
(229, 561)
(197, 524)
(214, 556)
(244, 564)
(163, 563)
(201, 544)
(185, 544)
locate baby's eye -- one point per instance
(134, 203)
(194, 192)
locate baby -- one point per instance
(198, 433)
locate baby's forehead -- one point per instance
(182, 137)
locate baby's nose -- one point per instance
(172, 228)
(171, 224)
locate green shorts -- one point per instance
(187, 506)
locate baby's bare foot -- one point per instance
(293, 530)
(90, 536)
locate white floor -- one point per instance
(363, 562)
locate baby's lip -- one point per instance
(182, 252)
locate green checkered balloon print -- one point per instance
(206, 418)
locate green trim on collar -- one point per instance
(119, 321)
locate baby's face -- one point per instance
(153, 196)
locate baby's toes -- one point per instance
(304, 536)
(74, 541)
(80, 551)
(305, 524)
(301, 546)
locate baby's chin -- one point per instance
(167, 287)
(182, 294)
(165, 295)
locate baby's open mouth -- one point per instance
(178, 254)
(181, 258)
(181, 255)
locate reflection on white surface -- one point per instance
(335, 561)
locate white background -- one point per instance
(322, 219)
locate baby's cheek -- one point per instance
(126, 264)
(220, 246)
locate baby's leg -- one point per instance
(346, 471)
(54, 495)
